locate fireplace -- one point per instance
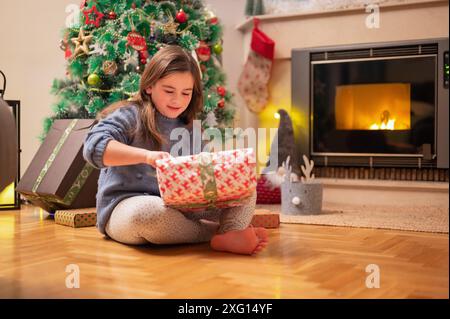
(373, 105)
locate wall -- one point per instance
(30, 57)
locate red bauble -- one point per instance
(221, 91)
(133, 5)
(181, 16)
(221, 103)
(112, 15)
(143, 55)
(203, 52)
(214, 20)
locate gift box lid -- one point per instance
(59, 161)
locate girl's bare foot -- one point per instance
(248, 241)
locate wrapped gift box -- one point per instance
(266, 192)
(265, 218)
(83, 217)
(58, 177)
(207, 180)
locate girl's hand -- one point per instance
(152, 156)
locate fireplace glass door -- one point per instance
(381, 106)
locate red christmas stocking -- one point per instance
(254, 79)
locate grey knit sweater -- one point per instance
(119, 182)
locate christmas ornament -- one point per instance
(143, 56)
(94, 80)
(181, 16)
(214, 20)
(131, 59)
(98, 49)
(112, 15)
(221, 91)
(109, 67)
(221, 103)
(98, 16)
(203, 51)
(81, 43)
(136, 41)
(133, 5)
(217, 48)
(63, 44)
(152, 36)
(170, 27)
(68, 53)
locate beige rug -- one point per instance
(421, 219)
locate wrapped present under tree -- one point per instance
(83, 217)
(58, 177)
(266, 218)
(207, 180)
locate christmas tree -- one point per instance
(107, 52)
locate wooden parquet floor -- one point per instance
(301, 261)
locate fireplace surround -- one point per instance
(380, 107)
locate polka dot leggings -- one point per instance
(145, 219)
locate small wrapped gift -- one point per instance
(266, 218)
(58, 177)
(207, 180)
(76, 217)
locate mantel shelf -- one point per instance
(271, 18)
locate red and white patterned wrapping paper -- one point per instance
(181, 185)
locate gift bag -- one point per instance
(207, 180)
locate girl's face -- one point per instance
(172, 94)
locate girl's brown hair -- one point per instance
(168, 60)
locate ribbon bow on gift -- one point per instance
(207, 176)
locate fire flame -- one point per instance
(390, 125)
(386, 123)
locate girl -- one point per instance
(128, 140)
